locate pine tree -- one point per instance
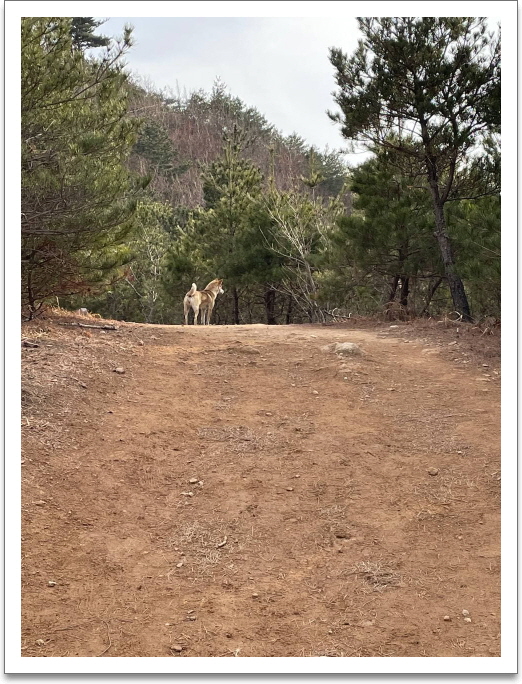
(230, 186)
(216, 232)
(390, 231)
(155, 146)
(334, 172)
(78, 198)
(476, 224)
(436, 78)
(140, 294)
(82, 33)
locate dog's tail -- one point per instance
(192, 290)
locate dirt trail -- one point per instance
(312, 525)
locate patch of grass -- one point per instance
(200, 543)
(378, 574)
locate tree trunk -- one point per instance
(269, 298)
(30, 297)
(31, 300)
(289, 310)
(456, 286)
(235, 295)
(393, 290)
(405, 291)
(429, 296)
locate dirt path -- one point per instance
(238, 491)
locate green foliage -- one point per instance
(390, 234)
(82, 33)
(216, 233)
(78, 197)
(437, 73)
(225, 237)
(292, 230)
(155, 146)
(427, 87)
(140, 295)
(315, 176)
(332, 170)
(231, 183)
(477, 227)
(390, 231)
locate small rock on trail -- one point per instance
(342, 533)
(342, 348)
(367, 623)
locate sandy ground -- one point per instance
(238, 491)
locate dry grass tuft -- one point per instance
(447, 489)
(200, 543)
(330, 653)
(378, 574)
(333, 514)
(240, 439)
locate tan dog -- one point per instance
(202, 300)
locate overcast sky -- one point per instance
(278, 65)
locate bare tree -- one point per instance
(300, 230)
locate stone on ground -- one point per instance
(342, 348)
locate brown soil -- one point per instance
(313, 527)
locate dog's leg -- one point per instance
(186, 308)
(196, 313)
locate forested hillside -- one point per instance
(130, 194)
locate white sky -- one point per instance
(278, 65)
